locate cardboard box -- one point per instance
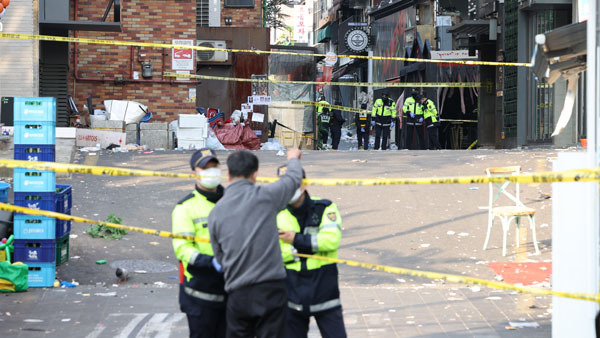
(91, 137)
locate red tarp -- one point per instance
(237, 137)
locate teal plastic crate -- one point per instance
(41, 275)
(35, 109)
(34, 227)
(35, 132)
(30, 180)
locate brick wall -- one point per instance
(243, 17)
(105, 71)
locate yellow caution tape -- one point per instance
(458, 279)
(23, 210)
(331, 106)
(472, 144)
(254, 51)
(347, 84)
(465, 121)
(390, 269)
(580, 175)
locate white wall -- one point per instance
(19, 59)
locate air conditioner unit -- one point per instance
(212, 55)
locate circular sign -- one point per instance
(357, 40)
(330, 59)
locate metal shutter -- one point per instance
(202, 11)
(53, 83)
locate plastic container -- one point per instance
(41, 275)
(35, 152)
(35, 250)
(36, 200)
(63, 198)
(35, 227)
(37, 132)
(35, 109)
(4, 192)
(62, 249)
(62, 227)
(30, 180)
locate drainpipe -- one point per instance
(118, 80)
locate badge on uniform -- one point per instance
(332, 216)
(206, 152)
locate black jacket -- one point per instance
(336, 119)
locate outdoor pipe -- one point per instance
(118, 80)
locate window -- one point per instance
(202, 10)
(239, 3)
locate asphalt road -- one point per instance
(431, 227)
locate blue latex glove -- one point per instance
(362, 130)
(392, 125)
(412, 115)
(216, 265)
(373, 123)
(420, 120)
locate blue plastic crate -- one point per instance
(34, 227)
(4, 192)
(35, 250)
(63, 227)
(35, 109)
(37, 132)
(30, 180)
(64, 198)
(35, 152)
(41, 275)
(36, 200)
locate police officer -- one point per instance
(363, 125)
(322, 123)
(432, 122)
(201, 293)
(311, 225)
(413, 114)
(384, 112)
(336, 122)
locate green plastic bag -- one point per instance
(13, 277)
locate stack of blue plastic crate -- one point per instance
(40, 242)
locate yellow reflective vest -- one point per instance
(379, 109)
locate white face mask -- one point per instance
(210, 179)
(296, 196)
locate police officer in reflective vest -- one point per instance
(363, 126)
(413, 115)
(201, 294)
(311, 225)
(323, 118)
(384, 112)
(432, 122)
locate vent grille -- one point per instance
(202, 11)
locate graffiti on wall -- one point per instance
(391, 36)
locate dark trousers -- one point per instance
(336, 135)
(210, 323)
(363, 137)
(330, 323)
(434, 140)
(410, 142)
(323, 134)
(257, 311)
(382, 129)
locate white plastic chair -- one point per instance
(508, 213)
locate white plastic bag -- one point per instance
(212, 142)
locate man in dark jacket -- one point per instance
(244, 238)
(335, 126)
(363, 125)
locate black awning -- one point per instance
(471, 27)
(98, 26)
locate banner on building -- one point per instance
(182, 59)
(302, 23)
